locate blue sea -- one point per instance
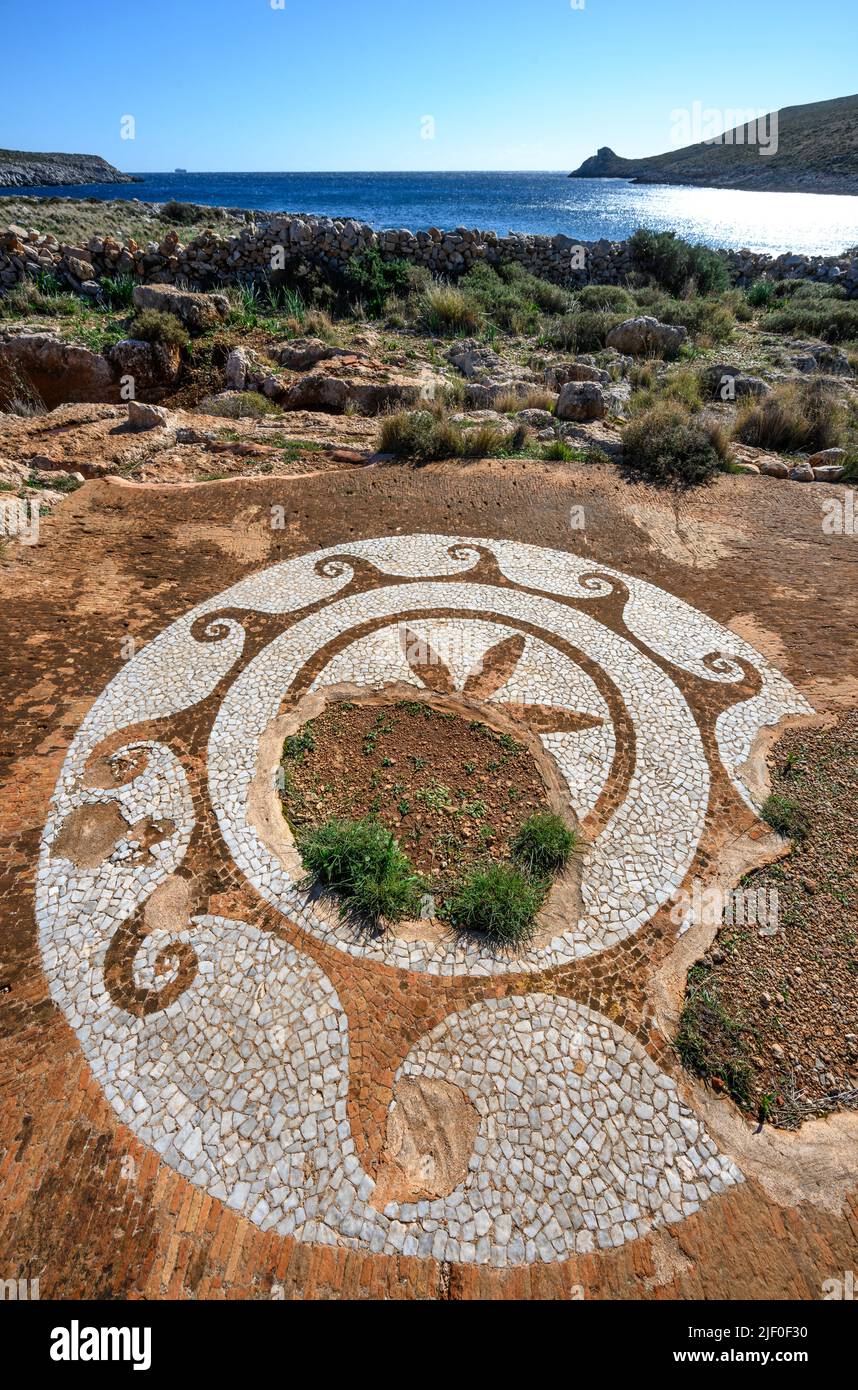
(585, 209)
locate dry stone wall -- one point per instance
(278, 241)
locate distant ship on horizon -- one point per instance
(180, 171)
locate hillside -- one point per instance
(23, 169)
(817, 152)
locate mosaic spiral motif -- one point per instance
(223, 1044)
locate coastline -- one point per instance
(540, 204)
(251, 244)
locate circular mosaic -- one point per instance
(519, 1128)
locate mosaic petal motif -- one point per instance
(81, 898)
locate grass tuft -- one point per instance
(786, 817)
(499, 901)
(363, 863)
(795, 416)
(544, 843)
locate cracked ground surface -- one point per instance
(211, 1089)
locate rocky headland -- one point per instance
(800, 149)
(23, 169)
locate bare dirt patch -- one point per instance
(452, 790)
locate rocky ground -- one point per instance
(771, 1013)
(244, 387)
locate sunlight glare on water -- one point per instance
(545, 203)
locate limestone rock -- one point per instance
(773, 468)
(57, 372)
(646, 337)
(801, 473)
(821, 357)
(304, 353)
(535, 419)
(146, 417)
(826, 457)
(197, 311)
(580, 401)
(731, 383)
(244, 371)
(151, 366)
(559, 374)
(473, 359)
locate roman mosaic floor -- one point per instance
(218, 1086)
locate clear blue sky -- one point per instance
(344, 84)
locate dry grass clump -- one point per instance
(75, 220)
(242, 405)
(509, 402)
(425, 435)
(446, 311)
(800, 416)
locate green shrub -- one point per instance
(675, 264)
(807, 290)
(183, 214)
(117, 291)
(550, 298)
(500, 902)
(508, 303)
(784, 816)
(363, 864)
(669, 446)
(607, 298)
(795, 416)
(372, 280)
(154, 326)
(761, 294)
(544, 844)
(832, 320)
